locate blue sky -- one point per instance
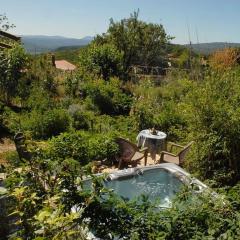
(210, 20)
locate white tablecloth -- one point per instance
(155, 143)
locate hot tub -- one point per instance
(159, 182)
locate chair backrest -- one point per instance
(127, 149)
(183, 152)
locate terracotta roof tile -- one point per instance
(64, 65)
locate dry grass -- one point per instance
(6, 146)
(224, 59)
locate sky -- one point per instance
(195, 20)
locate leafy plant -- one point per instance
(46, 124)
(108, 97)
(103, 60)
(84, 147)
(12, 64)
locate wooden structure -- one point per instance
(130, 154)
(8, 36)
(169, 157)
(138, 72)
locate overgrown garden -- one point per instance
(71, 120)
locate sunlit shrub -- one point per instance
(84, 146)
(224, 59)
(103, 60)
(82, 119)
(108, 96)
(46, 124)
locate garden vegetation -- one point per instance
(71, 120)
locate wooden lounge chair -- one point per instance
(168, 157)
(130, 154)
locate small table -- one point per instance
(155, 143)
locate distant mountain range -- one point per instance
(207, 48)
(40, 43)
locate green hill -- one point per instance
(208, 48)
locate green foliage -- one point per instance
(157, 107)
(202, 216)
(68, 53)
(103, 60)
(42, 209)
(46, 124)
(81, 118)
(140, 42)
(39, 99)
(84, 146)
(42, 74)
(44, 190)
(12, 63)
(108, 97)
(125, 126)
(212, 110)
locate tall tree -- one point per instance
(140, 42)
(12, 62)
(4, 23)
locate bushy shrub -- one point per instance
(39, 99)
(103, 60)
(192, 217)
(212, 111)
(84, 146)
(159, 106)
(125, 126)
(46, 124)
(108, 96)
(224, 59)
(144, 116)
(81, 118)
(12, 62)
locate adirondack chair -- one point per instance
(130, 154)
(169, 157)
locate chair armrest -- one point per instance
(176, 145)
(162, 153)
(172, 144)
(168, 153)
(143, 149)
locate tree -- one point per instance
(140, 42)
(104, 60)
(4, 23)
(12, 62)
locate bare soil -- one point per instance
(6, 145)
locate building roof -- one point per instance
(64, 65)
(4, 35)
(10, 36)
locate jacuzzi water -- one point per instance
(157, 184)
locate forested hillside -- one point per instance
(39, 44)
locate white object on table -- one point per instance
(145, 139)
